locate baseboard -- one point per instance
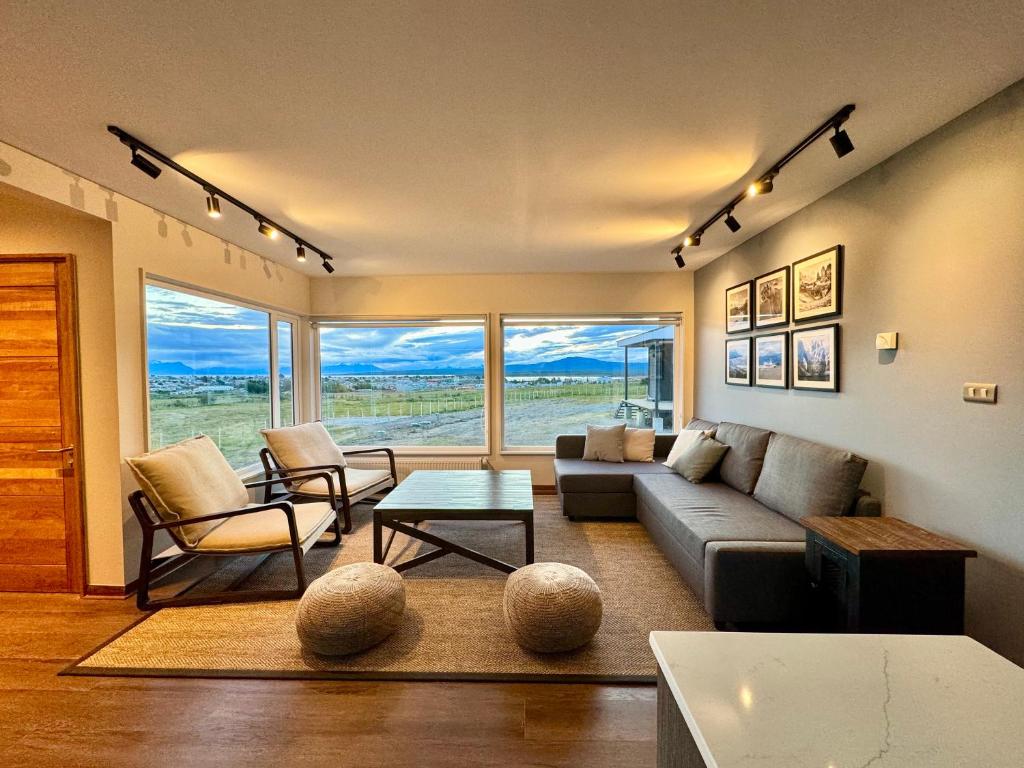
(544, 490)
(110, 590)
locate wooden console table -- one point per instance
(882, 574)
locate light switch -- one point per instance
(886, 340)
(979, 392)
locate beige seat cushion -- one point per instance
(189, 479)
(356, 481)
(268, 529)
(304, 445)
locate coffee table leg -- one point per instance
(529, 538)
(378, 551)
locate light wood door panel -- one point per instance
(41, 536)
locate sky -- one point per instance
(207, 334)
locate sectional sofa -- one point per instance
(736, 538)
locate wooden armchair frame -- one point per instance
(151, 523)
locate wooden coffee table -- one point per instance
(443, 495)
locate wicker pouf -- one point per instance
(551, 607)
(350, 609)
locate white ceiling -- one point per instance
(470, 136)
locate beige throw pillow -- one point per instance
(638, 445)
(604, 443)
(697, 461)
(304, 445)
(685, 439)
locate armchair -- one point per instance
(292, 451)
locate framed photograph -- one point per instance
(737, 308)
(815, 356)
(818, 286)
(737, 361)
(771, 360)
(771, 299)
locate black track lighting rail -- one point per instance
(763, 184)
(137, 145)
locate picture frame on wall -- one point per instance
(771, 360)
(771, 298)
(814, 355)
(817, 286)
(737, 361)
(738, 310)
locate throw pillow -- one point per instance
(685, 439)
(697, 461)
(639, 445)
(604, 443)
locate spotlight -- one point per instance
(841, 142)
(691, 241)
(213, 207)
(760, 187)
(679, 257)
(327, 267)
(300, 254)
(732, 223)
(148, 167)
(268, 231)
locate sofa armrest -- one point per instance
(866, 505)
(755, 581)
(569, 446)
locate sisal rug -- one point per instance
(453, 627)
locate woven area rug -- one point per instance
(453, 627)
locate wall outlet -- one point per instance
(979, 393)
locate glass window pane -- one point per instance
(403, 385)
(285, 401)
(560, 378)
(209, 372)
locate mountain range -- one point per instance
(565, 366)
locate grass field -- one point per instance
(534, 413)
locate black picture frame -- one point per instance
(835, 368)
(749, 325)
(837, 287)
(755, 365)
(755, 300)
(750, 372)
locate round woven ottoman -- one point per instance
(551, 607)
(350, 609)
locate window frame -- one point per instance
(377, 321)
(274, 314)
(505, 320)
(275, 382)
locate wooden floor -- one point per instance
(47, 720)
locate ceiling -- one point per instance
(468, 136)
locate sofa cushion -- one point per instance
(604, 443)
(703, 425)
(579, 476)
(697, 514)
(802, 478)
(741, 465)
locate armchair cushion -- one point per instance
(189, 479)
(356, 481)
(267, 530)
(304, 445)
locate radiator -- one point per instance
(406, 464)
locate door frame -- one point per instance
(65, 287)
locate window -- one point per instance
(404, 383)
(209, 372)
(561, 374)
(285, 361)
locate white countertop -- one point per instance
(845, 701)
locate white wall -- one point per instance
(111, 328)
(934, 251)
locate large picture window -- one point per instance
(209, 372)
(404, 383)
(562, 374)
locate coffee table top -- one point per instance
(465, 490)
(811, 701)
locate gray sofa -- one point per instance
(735, 538)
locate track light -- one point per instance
(841, 142)
(761, 187)
(148, 167)
(268, 231)
(678, 251)
(691, 241)
(732, 223)
(300, 254)
(213, 207)
(327, 267)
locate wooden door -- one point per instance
(41, 547)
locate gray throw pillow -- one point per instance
(802, 478)
(697, 461)
(604, 443)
